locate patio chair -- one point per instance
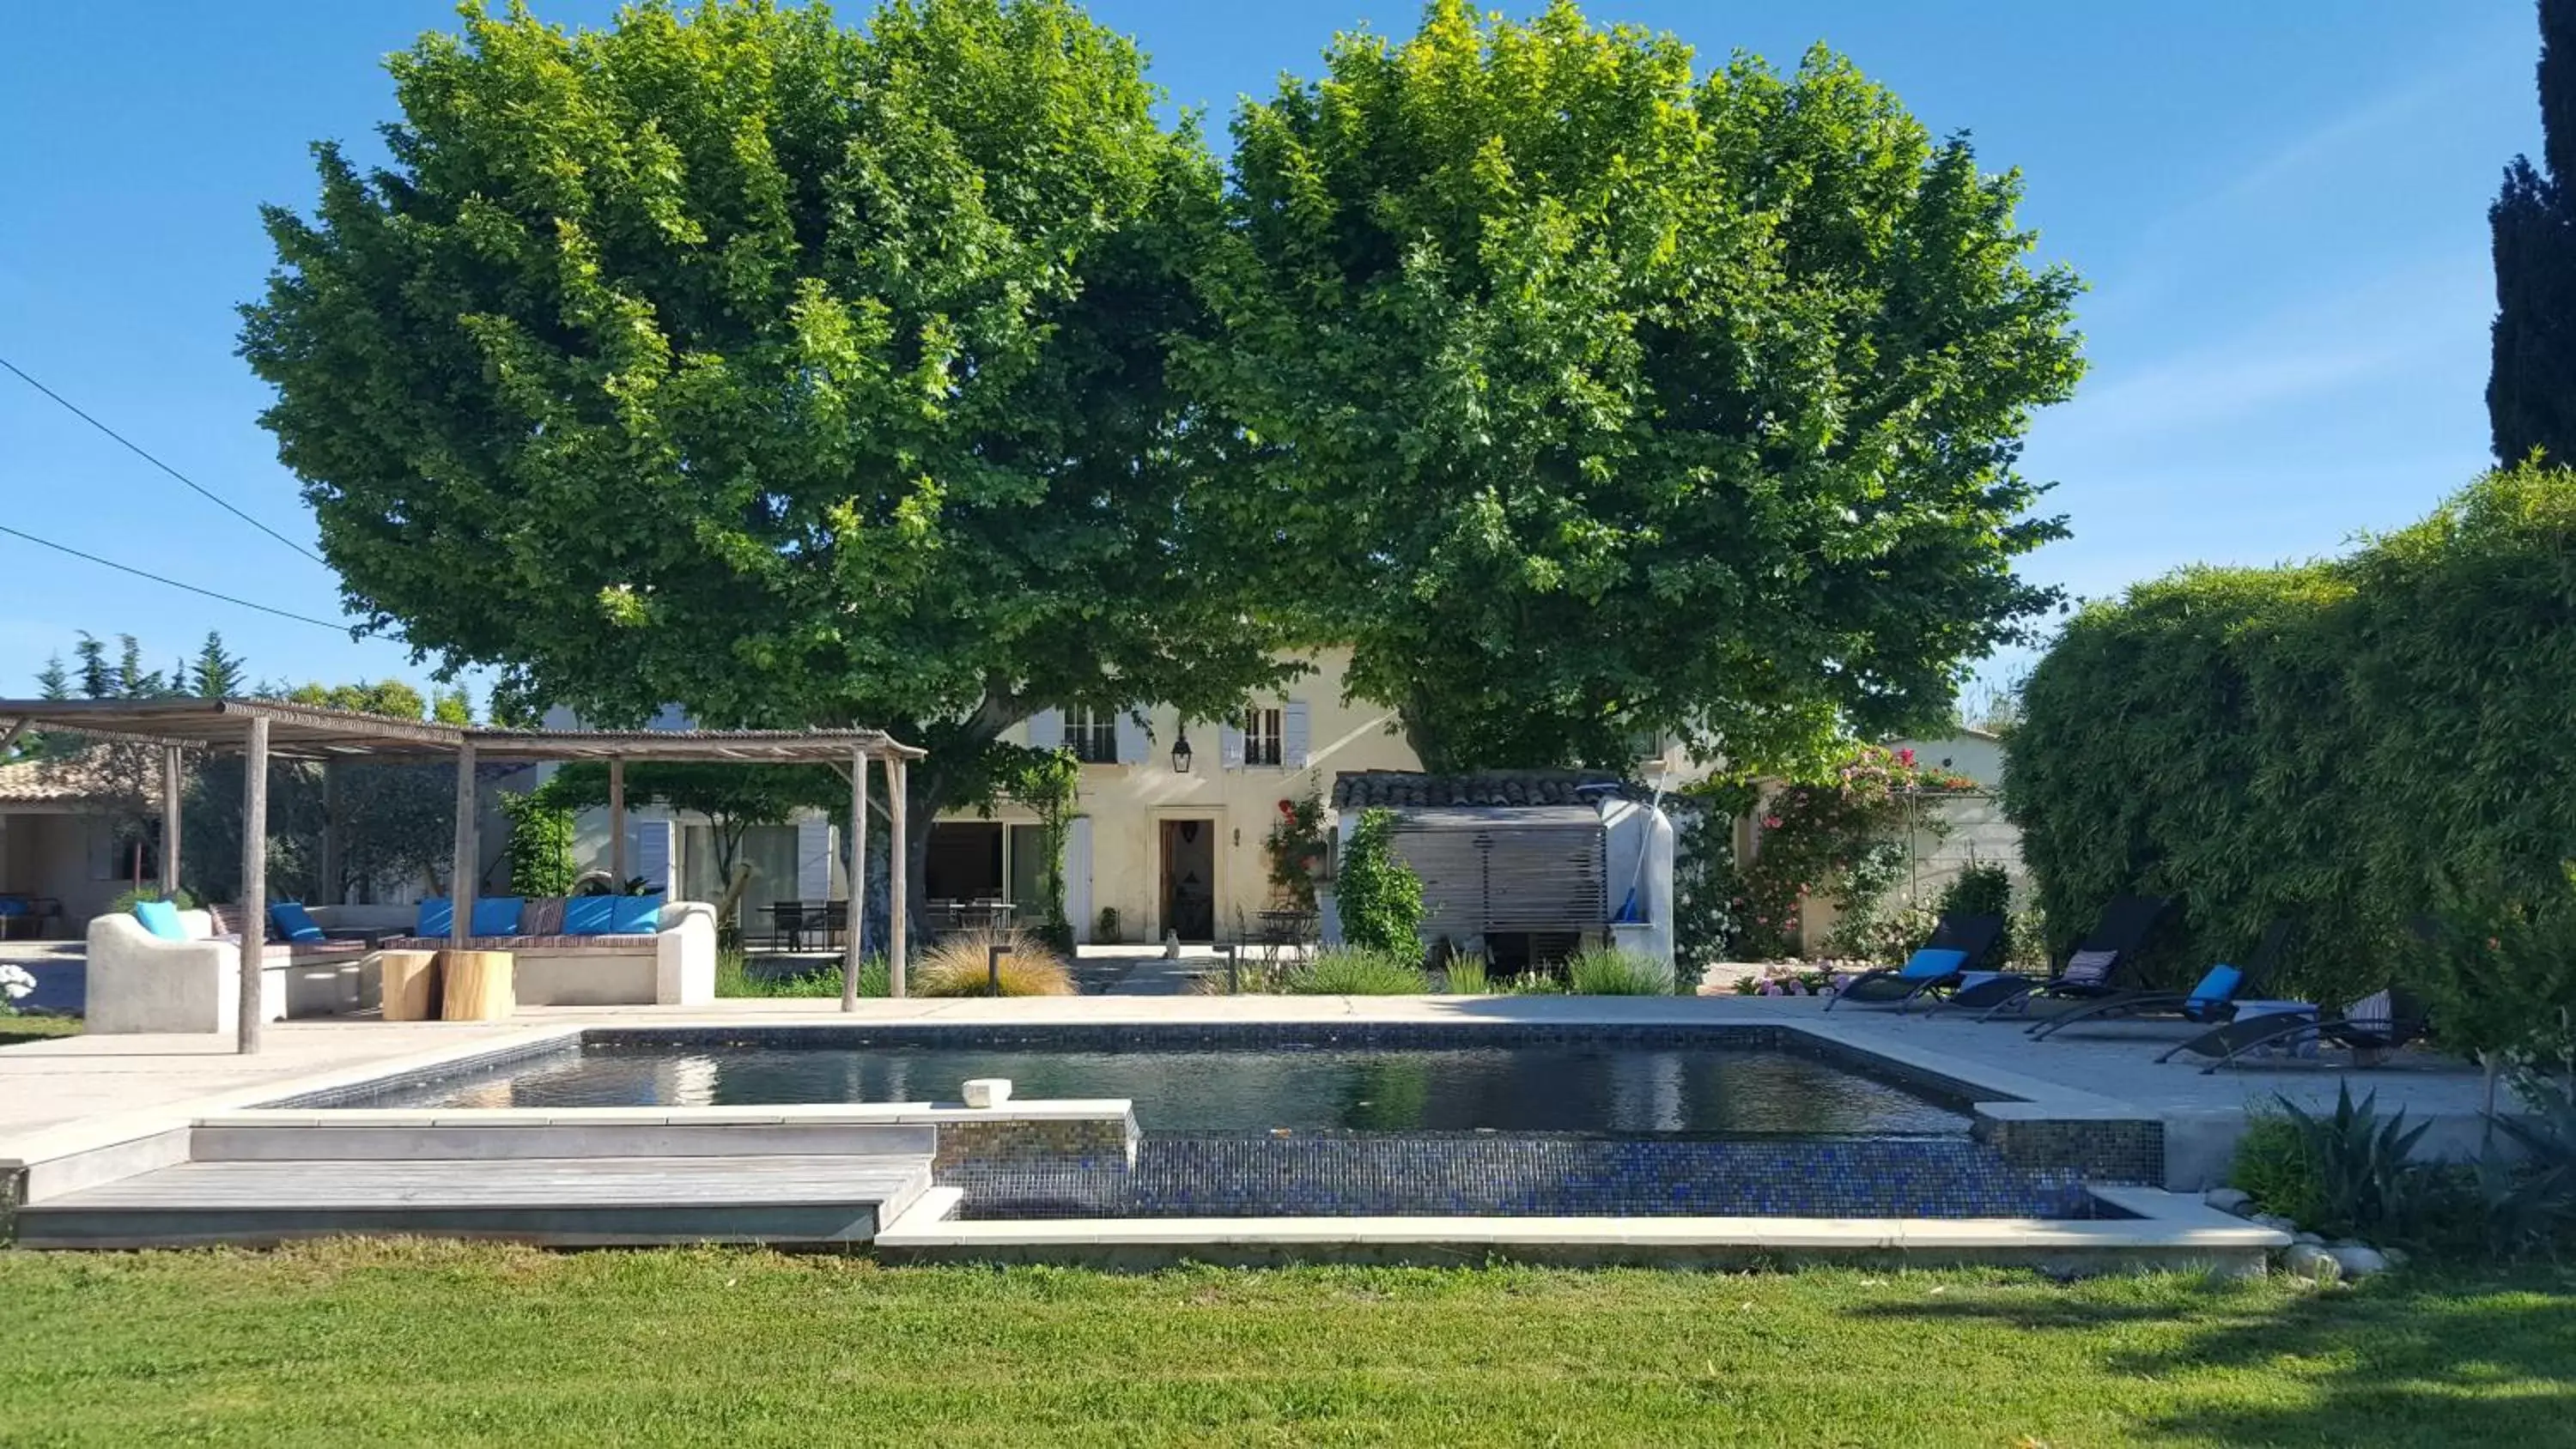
(787, 925)
(1958, 944)
(2380, 1022)
(2104, 964)
(2213, 999)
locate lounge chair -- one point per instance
(2213, 999)
(2380, 1022)
(1958, 944)
(2104, 964)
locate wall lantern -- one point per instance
(1181, 752)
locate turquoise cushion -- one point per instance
(293, 922)
(497, 916)
(591, 915)
(637, 915)
(1931, 963)
(161, 918)
(2218, 985)
(437, 917)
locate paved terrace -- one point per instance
(65, 1094)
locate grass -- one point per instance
(1609, 971)
(407, 1343)
(1465, 975)
(1354, 971)
(16, 1029)
(734, 977)
(959, 966)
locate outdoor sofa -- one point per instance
(140, 981)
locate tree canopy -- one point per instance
(2531, 394)
(796, 374)
(916, 376)
(1585, 395)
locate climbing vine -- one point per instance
(1049, 783)
(1843, 837)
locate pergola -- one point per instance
(260, 730)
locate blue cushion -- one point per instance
(437, 917)
(1931, 963)
(590, 915)
(293, 922)
(161, 918)
(497, 915)
(2217, 986)
(637, 915)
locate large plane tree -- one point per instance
(1585, 395)
(794, 373)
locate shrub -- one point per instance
(540, 849)
(2531, 1203)
(2287, 741)
(1356, 971)
(1464, 976)
(2366, 1180)
(1293, 848)
(1706, 882)
(1610, 971)
(1377, 893)
(736, 977)
(2499, 977)
(1841, 836)
(2272, 1167)
(125, 902)
(1981, 888)
(957, 966)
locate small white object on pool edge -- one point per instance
(987, 1091)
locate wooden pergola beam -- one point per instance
(254, 886)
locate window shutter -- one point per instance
(814, 859)
(1046, 729)
(649, 854)
(1292, 735)
(1134, 742)
(1229, 746)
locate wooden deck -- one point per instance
(567, 1201)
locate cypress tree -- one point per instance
(2531, 394)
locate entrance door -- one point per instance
(1189, 878)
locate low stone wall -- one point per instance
(2128, 1150)
(1052, 1166)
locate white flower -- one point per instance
(15, 982)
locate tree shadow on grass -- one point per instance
(2413, 1359)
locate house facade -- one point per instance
(69, 845)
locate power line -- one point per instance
(137, 450)
(174, 583)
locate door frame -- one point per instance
(1213, 817)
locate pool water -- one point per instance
(1609, 1088)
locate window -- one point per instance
(1092, 734)
(1261, 736)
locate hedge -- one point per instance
(2349, 742)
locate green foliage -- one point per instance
(2499, 977)
(1707, 885)
(1586, 394)
(736, 976)
(1377, 893)
(124, 901)
(2531, 1203)
(2366, 1180)
(1981, 888)
(1049, 783)
(2531, 393)
(1839, 834)
(961, 964)
(216, 673)
(2274, 1168)
(1610, 971)
(540, 849)
(2330, 741)
(1294, 848)
(1464, 975)
(1357, 971)
(794, 373)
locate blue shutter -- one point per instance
(1292, 734)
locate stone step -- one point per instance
(565, 1201)
(218, 1140)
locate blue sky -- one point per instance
(2281, 210)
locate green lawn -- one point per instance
(407, 1343)
(16, 1029)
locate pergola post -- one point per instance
(169, 821)
(460, 883)
(335, 865)
(254, 886)
(858, 879)
(616, 825)
(898, 785)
